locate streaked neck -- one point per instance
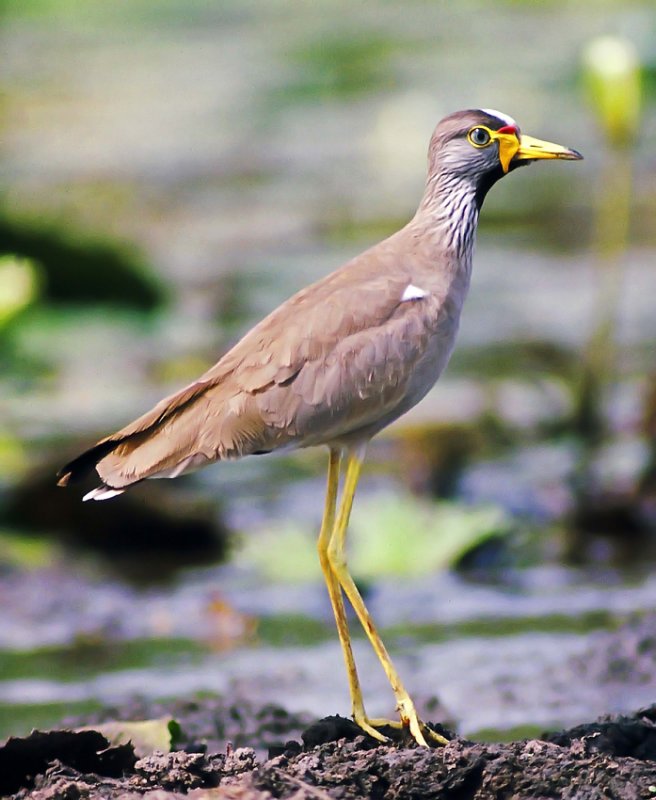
(449, 211)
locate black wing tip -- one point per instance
(80, 467)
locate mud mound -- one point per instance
(610, 758)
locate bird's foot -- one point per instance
(419, 730)
(369, 726)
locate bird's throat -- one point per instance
(485, 183)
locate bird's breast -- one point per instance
(437, 319)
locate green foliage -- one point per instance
(146, 735)
(406, 536)
(501, 627)
(285, 552)
(342, 66)
(23, 551)
(88, 656)
(18, 719)
(77, 269)
(13, 456)
(391, 535)
(289, 630)
(612, 74)
(20, 286)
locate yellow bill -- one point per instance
(514, 148)
(530, 149)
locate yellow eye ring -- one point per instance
(480, 136)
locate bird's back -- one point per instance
(336, 362)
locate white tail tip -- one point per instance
(102, 493)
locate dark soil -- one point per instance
(611, 758)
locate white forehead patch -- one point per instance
(499, 115)
(413, 292)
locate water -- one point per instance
(527, 652)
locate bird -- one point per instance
(334, 365)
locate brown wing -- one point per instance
(318, 357)
(362, 379)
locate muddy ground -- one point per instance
(239, 751)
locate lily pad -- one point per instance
(390, 535)
(20, 284)
(145, 735)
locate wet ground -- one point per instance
(611, 758)
(533, 651)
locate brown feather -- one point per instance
(310, 371)
(338, 361)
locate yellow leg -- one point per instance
(337, 559)
(336, 599)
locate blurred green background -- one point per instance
(170, 172)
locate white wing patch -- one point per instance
(413, 292)
(500, 115)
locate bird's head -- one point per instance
(479, 146)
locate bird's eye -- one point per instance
(479, 137)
